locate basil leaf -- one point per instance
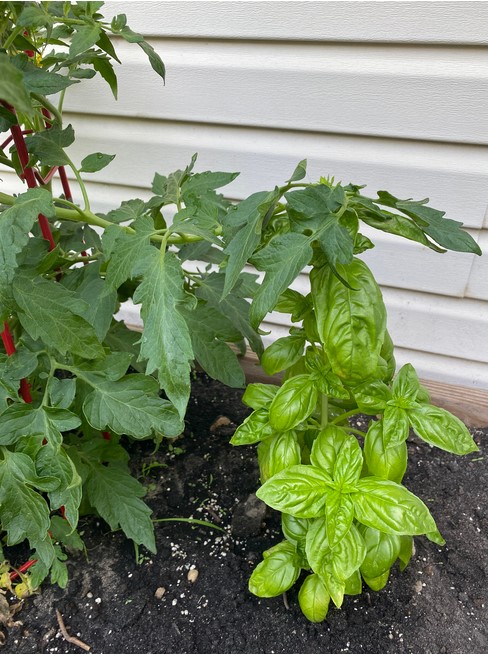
(371, 397)
(391, 508)
(259, 396)
(395, 426)
(293, 403)
(406, 384)
(351, 320)
(295, 529)
(354, 585)
(314, 598)
(384, 461)
(382, 551)
(339, 514)
(283, 353)
(278, 453)
(277, 573)
(440, 428)
(338, 454)
(255, 428)
(299, 490)
(377, 583)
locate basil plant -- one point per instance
(346, 516)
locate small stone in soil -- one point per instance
(248, 517)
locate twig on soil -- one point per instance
(285, 601)
(214, 515)
(70, 639)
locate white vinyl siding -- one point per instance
(389, 94)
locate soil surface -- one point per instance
(437, 605)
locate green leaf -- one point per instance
(283, 353)
(48, 145)
(45, 422)
(259, 396)
(50, 312)
(212, 353)
(312, 209)
(372, 396)
(395, 426)
(277, 573)
(12, 89)
(242, 233)
(131, 406)
(446, 232)
(440, 428)
(278, 453)
(43, 82)
(199, 183)
(347, 556)
(314, 598)
(15, 225)
(377, 583)
(406, 384)
(282, 260)
(233, 307)
(295, 529)
(299, 172)
(116, 496)
(83, 39)
(154, 59)
(57, 464)
(126, 250)
(391, 508)
(326, 381)
(299, 491)
(166, 341)
(255, 428)
(34, 16)
(353, 585)
(95, 162)
(293, 403)
(351, 323)
(331, 451)
(382, 551)
(294, 303)
(384, 461)
(104, 67)
(339, 514)
(24, 513)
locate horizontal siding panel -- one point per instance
(421, 93)
(478, 280)
(387, 21)
(454, 176)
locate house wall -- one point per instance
(388, 94)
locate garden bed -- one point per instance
(437, 605)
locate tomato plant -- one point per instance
(346, 516)
(73, 379)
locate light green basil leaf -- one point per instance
(334, 451)
(255, 428)
(391, 508)
(277, 573)
(395, 426)
(354, 585)
(295, 529)
(438, 427)
(382, 461)
(259, 396)
(293, 403)
(299, 490)
(382, 551)
(371, 397)
(377, 583)
(278, 453)
(314, 598)
(339, 514)
(283, 353)
(406, 551)
(347, 556)
(406, 384)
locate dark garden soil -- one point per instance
(438, 604)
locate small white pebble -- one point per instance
(98, 600)
(89, 595)
(159, 592)
(174, 602)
